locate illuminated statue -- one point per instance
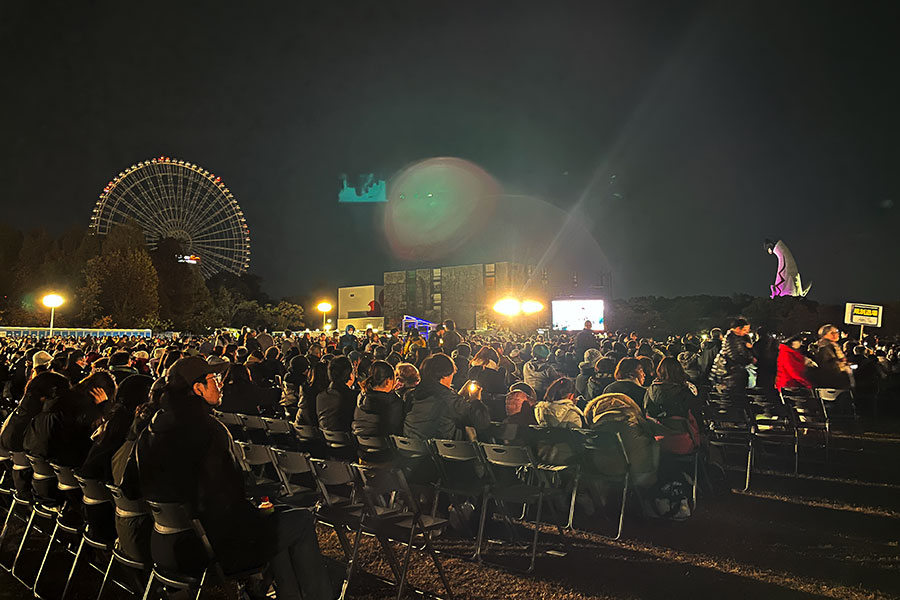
(787, 279)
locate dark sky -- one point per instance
(725, 123)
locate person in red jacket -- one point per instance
(791, 365)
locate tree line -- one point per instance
(115, 281)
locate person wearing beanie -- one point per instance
(586, 371)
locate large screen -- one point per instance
(570, 315)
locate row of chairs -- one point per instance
(757, 422)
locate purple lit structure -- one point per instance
(787, 278)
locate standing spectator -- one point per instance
(460, 358)
(451, 338)
(730, 367)
(834, 371)
(709, 349)
(348, 340)
(790, 371)
(585, 340)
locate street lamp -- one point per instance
(52, 301)
(325, 308)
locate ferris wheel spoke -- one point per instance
(166, 197)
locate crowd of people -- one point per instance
(141, 413)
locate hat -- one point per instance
(141, 355)
(591, 355)
(217, 360)
(41, 358)
(187, 371)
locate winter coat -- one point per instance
(57, 435)
(378, 414)
(185, 455)
(708, 352)
(596, 384)
(539, 374)
(585, 372)
(493, 389)
(437, 412)
(690, 362)
(241, 397)
(663, 400)
(620, 414)
(629, 388)
(791, 369)
(731, 363)
(335, 407)
(562, 413)
(833, 371)
(584, 340)
(452, 339)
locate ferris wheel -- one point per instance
(172, 198)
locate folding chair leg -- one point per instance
(200, 587)
(37, 577)
(345, 543)
(480, 537)
(696, 472)
(749, 465)
(402, 583)
(74, 566)
(570, 522)
(537, 528)
(796, 452)
(391, 557)
(22, 545)
(351, 565)
(622, 509)
(106, 575)
(149, 586)
(437, 564)
(9, 516)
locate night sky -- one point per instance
(724, 123)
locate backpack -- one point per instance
(674, 499)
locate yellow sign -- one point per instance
(863, 314)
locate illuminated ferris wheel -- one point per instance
(172, 198)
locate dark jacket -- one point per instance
(437, 412)
(241, 397)
(629, 388)
(185, 455)
(378, 414)
(12, 437)
(335, 407)
(708, 352)
(585, 371)
(732, 360)
(584, 340)
(664, 399)
(832, 366)
(57, 435)
(539, 374)
(264, 373)
(596, 384)
(452, 339)
(493, 389)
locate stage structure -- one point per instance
(172, 198)
(787, 278)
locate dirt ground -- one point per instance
(831, 532)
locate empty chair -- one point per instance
(772, 426)
(408, 526)
(338, 509)
(729, 427)
(605, 461)
(254, 459)
(296, 476)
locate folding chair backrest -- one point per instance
(229, 419)
(170, 517)
(456, 451)
(830, 394)
(374, 445)
(503, 433)
(334, 477)
(605, 451)
(252, 422)
(20, 461)
(277, 426)
(254, 454)
(376, 483)
(290, 462)
(508, 456)
(93, 492)
(338, 439)
(42, 469)
(410, 448)
(65, 478)
(125, 506)
(307, 433)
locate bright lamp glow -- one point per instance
(531, 306)
(324, 307)
(508, 306)
(52, 300)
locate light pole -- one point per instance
(52, 301)
(325, 307)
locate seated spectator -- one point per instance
(379, 410)
(461, 356)
(672, 401)
(239, 393)
(185, 455)
(629, 381)
(120, 365)
(437, 412)
(537, 372)
(558, 408)
(586, 371)
(407, 378)
(519, 408)
(791, 366)
(491, 377)
(270, 370)
(335, 406)
(602, 377)
(619, 413)
(297, 392)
